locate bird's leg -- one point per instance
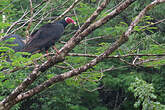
(57, 51)
(47, 54)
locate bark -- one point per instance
(17, 94)
(74, 72)
(8, 101)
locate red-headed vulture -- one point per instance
(47, 35)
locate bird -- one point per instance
(17, 48)
(46, 36)
(20, 45)
(18, 40)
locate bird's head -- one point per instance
(69, 20)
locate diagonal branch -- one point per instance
(10, 100)
(30, 22)
(74, 72)
(67, 10)
(25, 14)
(115, 56)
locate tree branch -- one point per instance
(25, 14)
(9, 101)
(81, 69)
(30, 22)
(115, 56)
(67, 10)
(93, 62)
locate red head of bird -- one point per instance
(69, 20)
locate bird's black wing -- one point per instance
(44, 37)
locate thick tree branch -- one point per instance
(87, 23)
(77, 71)
(93, 62)
(9, 101)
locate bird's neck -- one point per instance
(63, 22)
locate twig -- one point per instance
(71, 67)
(30, 22)
(149, 60)
(115, 56)
(99, 37)
(7, 7)
(18, 95)
(35, 14)
(158, 22)
(127, 62)
(67, 10)
(114, 7)
(94, 89)
(25, 13)
(42, 18)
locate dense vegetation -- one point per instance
(131, 78)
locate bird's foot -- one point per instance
(57, 51)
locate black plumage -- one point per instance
(46, 36)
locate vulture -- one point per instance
(18, 40)
(46, 36)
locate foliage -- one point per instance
(93, 89)
(144, 93)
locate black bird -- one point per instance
(46, 36)
(20, 44)
(18, 40)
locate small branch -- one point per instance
(115, 56)
(1, 11)
(158, 22)
(98, 88)
(35, 14)
(149, 60)
(127, 62)
(113, 68)
(25, 13)
(73, 72)
(30, 22)
(18, 95)
(94, 38)
(67, 10)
